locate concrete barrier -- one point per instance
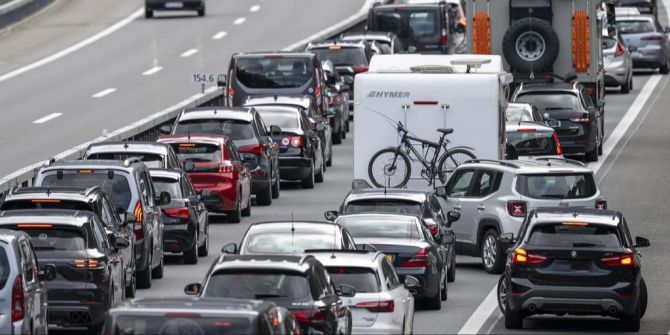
(17, 10)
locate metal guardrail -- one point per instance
(17, 10)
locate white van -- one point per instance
(427, 92)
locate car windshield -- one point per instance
(170, 186)
(556, 186)
(273, 71)
(197, 152)
(56, 239)
(150, 160)
(341, 55)
(258, 285)
(235, 129)
(548, 102)
(287, 242)
(574, 235)
(382, 227)
(178, 323)
(635, 27)
(4, 266)
(117, 187)
(50, 204)
(364, 280)
(281, 119)
(514, 114)
(535, 143)
(393, 206)
(410, 25)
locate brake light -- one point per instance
(621, 260)
(601, 204)
(226, 167)
(418, 260)
(652, 38)
(317, 91)
(387, 306)
(256, 149)
(139, 213)
(231, 92)
(619, 50)
(186, 315)
(516, 208)
(34, 226)
(425, 102)
(360, 68)
(445, 40)
(434, 230)
(91, 264)
(306, 316)
(559, 149)
(45, 201)
(523, 257)
(18, 299)
(297, 141)
(181, 212)
(584, 119)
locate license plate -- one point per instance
(553, 123)
(174, 5)
(390, 258)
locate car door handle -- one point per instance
(481, 208)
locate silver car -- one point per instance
(23, 297)
(519, 112)
(647, 41)
(618, 64)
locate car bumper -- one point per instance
(577, 145)
(175, 5)
(294, 168)
(616, 73)
(377, 329)
(76, 314)
(429, 283)
(178, 238)
(225, 192)
(649, 58)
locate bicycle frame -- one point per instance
(405, 141)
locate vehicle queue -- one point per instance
(91, 231)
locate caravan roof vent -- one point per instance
(432, 69)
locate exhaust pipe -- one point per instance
(532, 308)
(74, 317)
(85, 317)
(613, 310)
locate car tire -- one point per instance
(319, 176)
(513, 320)
(444, 292)
(131, 289)
(158, 272)
(94, 330)
(148, 13)
(537, 33)
(344, 130)
(643, 298)
(625, 88)
(203, 250)
(592, 156)
(234, 216)
(337, 137)
(191, 256)
(308, 182)
(665, 68)
(264, 197)
(275, 189)
(451, 273)
(201, 11)
(247, 211)
(493, 258)
(502, 294)
(435, 302)
(329, 162)
(632, 322)
(144, 277)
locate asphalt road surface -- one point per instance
(632, 177)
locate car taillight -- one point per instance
(18, 299)
(226, 167)
(559, 149)
(584, 119)
(317, 91)
(652, 38)
(418, 260)
(181, 212)
(306, 316)
(601, 204)
(296, 141)
(516, 208)
(621, 260)
(256, 149)
(231, 92)
(619, 49)
(434, 230)
(444, 36)
(139, 213)
(360, 68)
(523, 257)
(387, 306)
(91, 264)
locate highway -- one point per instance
(632, 173)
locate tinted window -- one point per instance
(168, 324)
(273, 72)
(393, 206)
(287, 243)
(459, 184)
(514, 114)
(341, 56)
(391, 278)
(384, 227)
(549, 102)
(412, 25)
(150, 160)
(57, 239)
(258, 285)
(62, 204)
(574, 236)
(118, 187)
(4, 265)
(557, 186)
(284, 120)
(198, 152)
(635, 27)
(168, 185)
(534, 143)
(235, 129)
(483, 184)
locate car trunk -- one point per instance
(69, 280)
(396, 250)
(285, 145)
(556, 189)
(363, 316)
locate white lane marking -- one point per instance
(47, 118)
(71, 49)
(152, 70)
(104, 92)
(239, 20)
(255, 8)
(481, 314)
(189, 53)
(494, 323)
(219, 35)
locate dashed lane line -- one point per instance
(47, 118)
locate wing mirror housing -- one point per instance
(507, 238)
(221, 81)
(453, 216)
(510, 152)
(165, 129)
(346, 291)
(230, 248)
(121, 243)
(48, 273)
(193, 289)
(188, 166)
(641, 242)
(441, 191)
(448, 239)
(331, 215)
(411, 282)
(164, 198)
(275, 131)
(128, 218)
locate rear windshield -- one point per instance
(170, 186)
(364, 280)
(197, 152)
(273, 72)
(258, 285)
(235, 129)
(117, 187)
(341, 55)
(392, 206)
(284, 120)
(150, 160)
(418, 25)
(50, 204)
(287, 243)
(548, 102)
(608, 42)
(571, 235)
(384, 227)
(537, 143)
(56, 239)
(557, 186)
(4, 266)
(635, 27)
(515, 114)
(179, 323)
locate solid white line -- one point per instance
(219, 35)
(239, 20)
(78, 46)
(104, 93)
(189, 53)
(481, 314)
(152, 70)
(47, 118)
(255, 8)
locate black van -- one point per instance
(422, 28)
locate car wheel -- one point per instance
(632, 322)
(131, 289)
(203, 250)
(247, 211)
(329, 162)
(451, 273)
(144, 277)
(264, 197)
(318, 177)
(94, 330)
(435, 302)
(592, 156)
(148, 13)
(191, 256)
(158, 271)
(344, 130)
(337, 137)
(665, 68)
(235, 215)
(275, 189)
(492, 253)
(201, 11)
(513, 320)
(309, 181)
(502, 294)
(643, 298)
(444, 292)
(625, 88)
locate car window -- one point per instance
(287, 243)
(324, 281)
(459, 184)
(533, 143)
(364, 280)
(28, 261)
(435, 206)
(381, 205)
(145, 193)
(635, 27)
(4, 266)
(341, 56)
(588, 103)
(260, 126)
(170, 186)
(390, 278)
(149, 159)
(401, 227)
(36, 204)
(550, 102)
(348, 237)
(273, 72)
(557, 186)
(107, 214)
(235, 129)
(258, 284)
(118, 187)
(574, 235)
(100, 234)
(140, 323)
(57, 239)
(281, 119)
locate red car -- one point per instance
(216, 171)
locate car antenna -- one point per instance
(332, 256)
(292, 231)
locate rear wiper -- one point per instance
(553, 196)
(586, 245)
(265, 296)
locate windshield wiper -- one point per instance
(586, 245)
(265, 296)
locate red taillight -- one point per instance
(434, 230)
(387, 306)
(360, 68)
(418, 260)
(425, 102)
(445, 40)
(621, 260)
(307, 316)
(256, 149)
(601, 204)
(652, 38)
(619, 49)
(226, 167)
(231, 92)
(181, 213)
(523, 257)
(516, 208)
(317, 91)
(139, 213)
(18, 299)
(585, 119)
(559, 149)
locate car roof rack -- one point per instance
(493, 161)
(566, 160)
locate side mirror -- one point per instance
(165, 129)
(230, 248)
(221, 81)
(411, 49)
(448, 239)
(188, 166)
(411, 282)
(346, 291)
(164, 198)
(48, 273)
(600, 103)
(348, 80)
(641, 242)
(460, 28)
(331, 215)
(121, 243)
(128, 218)
(510, 152)
(507, 238)
(453, 216)
(441, 191)
(632, 48)
(275, 131)
(248, 158)
(193, 289)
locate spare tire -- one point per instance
(530, 45)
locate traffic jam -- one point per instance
(474, 127)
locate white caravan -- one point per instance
(426, 92)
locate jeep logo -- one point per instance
(564, 204)
(388, 94)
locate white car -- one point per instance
(382, 304)
(516, 112)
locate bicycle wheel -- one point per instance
(389, 167)
(450, 161)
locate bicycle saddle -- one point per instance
(446, 131)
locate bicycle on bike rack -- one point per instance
(391, 167)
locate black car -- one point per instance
(300, 153)
(409, 246)
(299, 283)
(89, 268)
(152, 154)
(253, 141)
(568, 109)
(290, 237)
(185, 218)
(92, 199)
(338, 102)
(170, 5)
(573, 261)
